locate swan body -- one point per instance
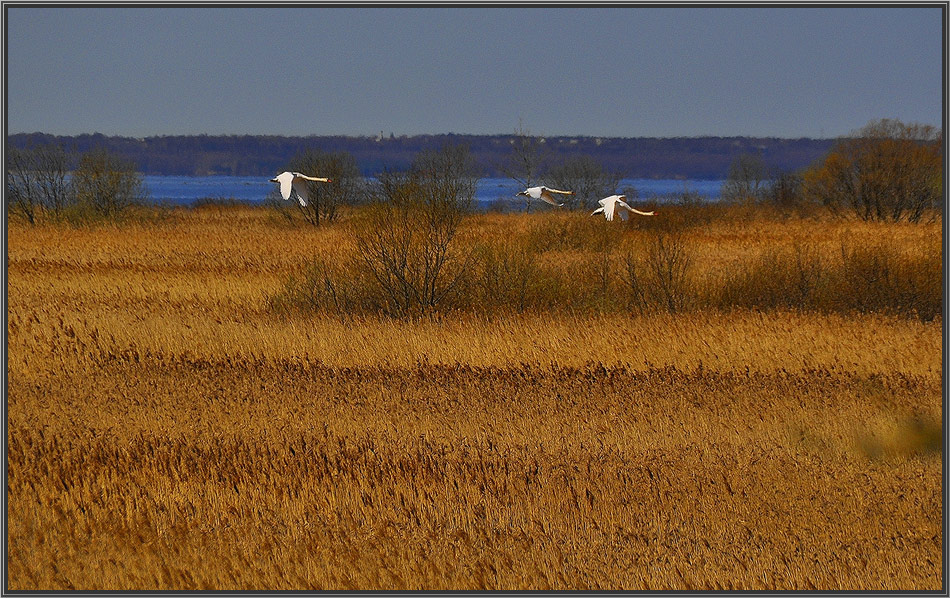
(616, 204)
(545, 194)
(296, 182)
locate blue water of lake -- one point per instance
(184, 190)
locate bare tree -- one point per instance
(407, 245)
(661, 275)
(887, 170)
(105, 185)
(528, 158)
(587, 178)
(670, 262)
(748, 179)
(37, 181)
(785, 190)
(347, 186)
(22, 192)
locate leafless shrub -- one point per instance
(680, 212)
(506, 275)
(661, 277)
(636, 284)
(563, 231)
(407, 242)
(105, 186)
(37, 182)
(346, 186)
(877, 277)
(747, 180)
(888, 170)
(791, 278)
(866, 278)
(527, 159)
(587, 178)
(324, 287)
(669, 263)
(786, 191)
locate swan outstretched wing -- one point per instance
(312, 178)
(286, 181)
(296, 182)
(546, 196)
(300, 187)
(624, 208)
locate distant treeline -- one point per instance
(259, 155)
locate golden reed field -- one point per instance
(171, 427)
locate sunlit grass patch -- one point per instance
(186, 411)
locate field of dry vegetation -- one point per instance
(718, 398)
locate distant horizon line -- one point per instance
(392, 135)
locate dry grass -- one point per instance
(167, 431)
(693, 257)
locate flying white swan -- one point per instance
(609, 206)
(544, 193)
(297, 182)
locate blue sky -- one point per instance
(619, 71)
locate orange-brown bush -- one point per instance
(567, 262)
(872, 276)
(887, 170)
(166, 431)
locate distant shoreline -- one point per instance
(703, 158)
(186, 190)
